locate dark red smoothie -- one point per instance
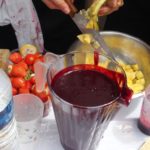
(85, 87)
(92, 93)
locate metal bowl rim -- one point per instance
(137, 40)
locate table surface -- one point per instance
(121, 134)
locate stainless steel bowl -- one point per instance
(131, 50)
(127, 48)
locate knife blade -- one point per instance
(81, 21)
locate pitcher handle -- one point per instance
(41, 69)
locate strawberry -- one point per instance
(23, 65)
(28, 84)
(15, 57)
(31, 68)
(40, 58)
(14, 91)
(18, 82)
(32, 80)
(24, 90)
(29, 59)
(44, 96)
(18, 71)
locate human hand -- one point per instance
(58, 4)
(110, 6)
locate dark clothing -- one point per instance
(132, 18)
(7, 37)
(58, 29)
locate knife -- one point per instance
(81, 21)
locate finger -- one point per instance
(114, 3)
(106, 10)
(49, 4)
(57, 4)
(62, 5)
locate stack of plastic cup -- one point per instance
(8, 137)
(8, 132)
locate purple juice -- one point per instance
(87, 98)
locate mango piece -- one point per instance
(137, 87)
(85, 38)
(104, 64)
(92, 24)
(135, 77)
(89, 58)
(139, 74)
(135, 67)
(130, 75)
(140, 81)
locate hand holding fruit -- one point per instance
(58, 4)
(110, 6)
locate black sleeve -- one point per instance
(7, 37)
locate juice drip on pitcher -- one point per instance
(96, 58)
(89, 85)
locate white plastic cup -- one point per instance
(28, 110)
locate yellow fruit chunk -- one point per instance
(27, 49)
(139, 74)
(85, 38)
(89, 58)
(130, 75)
(104, 64)
(135, 77)
(140, 81)
(135, 67)
(92, 24)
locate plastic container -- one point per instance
(144, 120)
(6, 103)
(8, 132)
(28, 113)
(9, 137)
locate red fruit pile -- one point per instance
(21, 73)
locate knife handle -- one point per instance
(73, 9)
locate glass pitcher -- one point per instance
(87, 89)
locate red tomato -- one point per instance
(44, 96)
(23, 65)
(37, 55)
(31, 68)
(15, 57)
(18, 82)
(24, 90)
(41, 58)
(32, 80)
(28, 84)
(18, 71)
(14, 91)
(29, 59)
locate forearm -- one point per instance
(24, 20)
